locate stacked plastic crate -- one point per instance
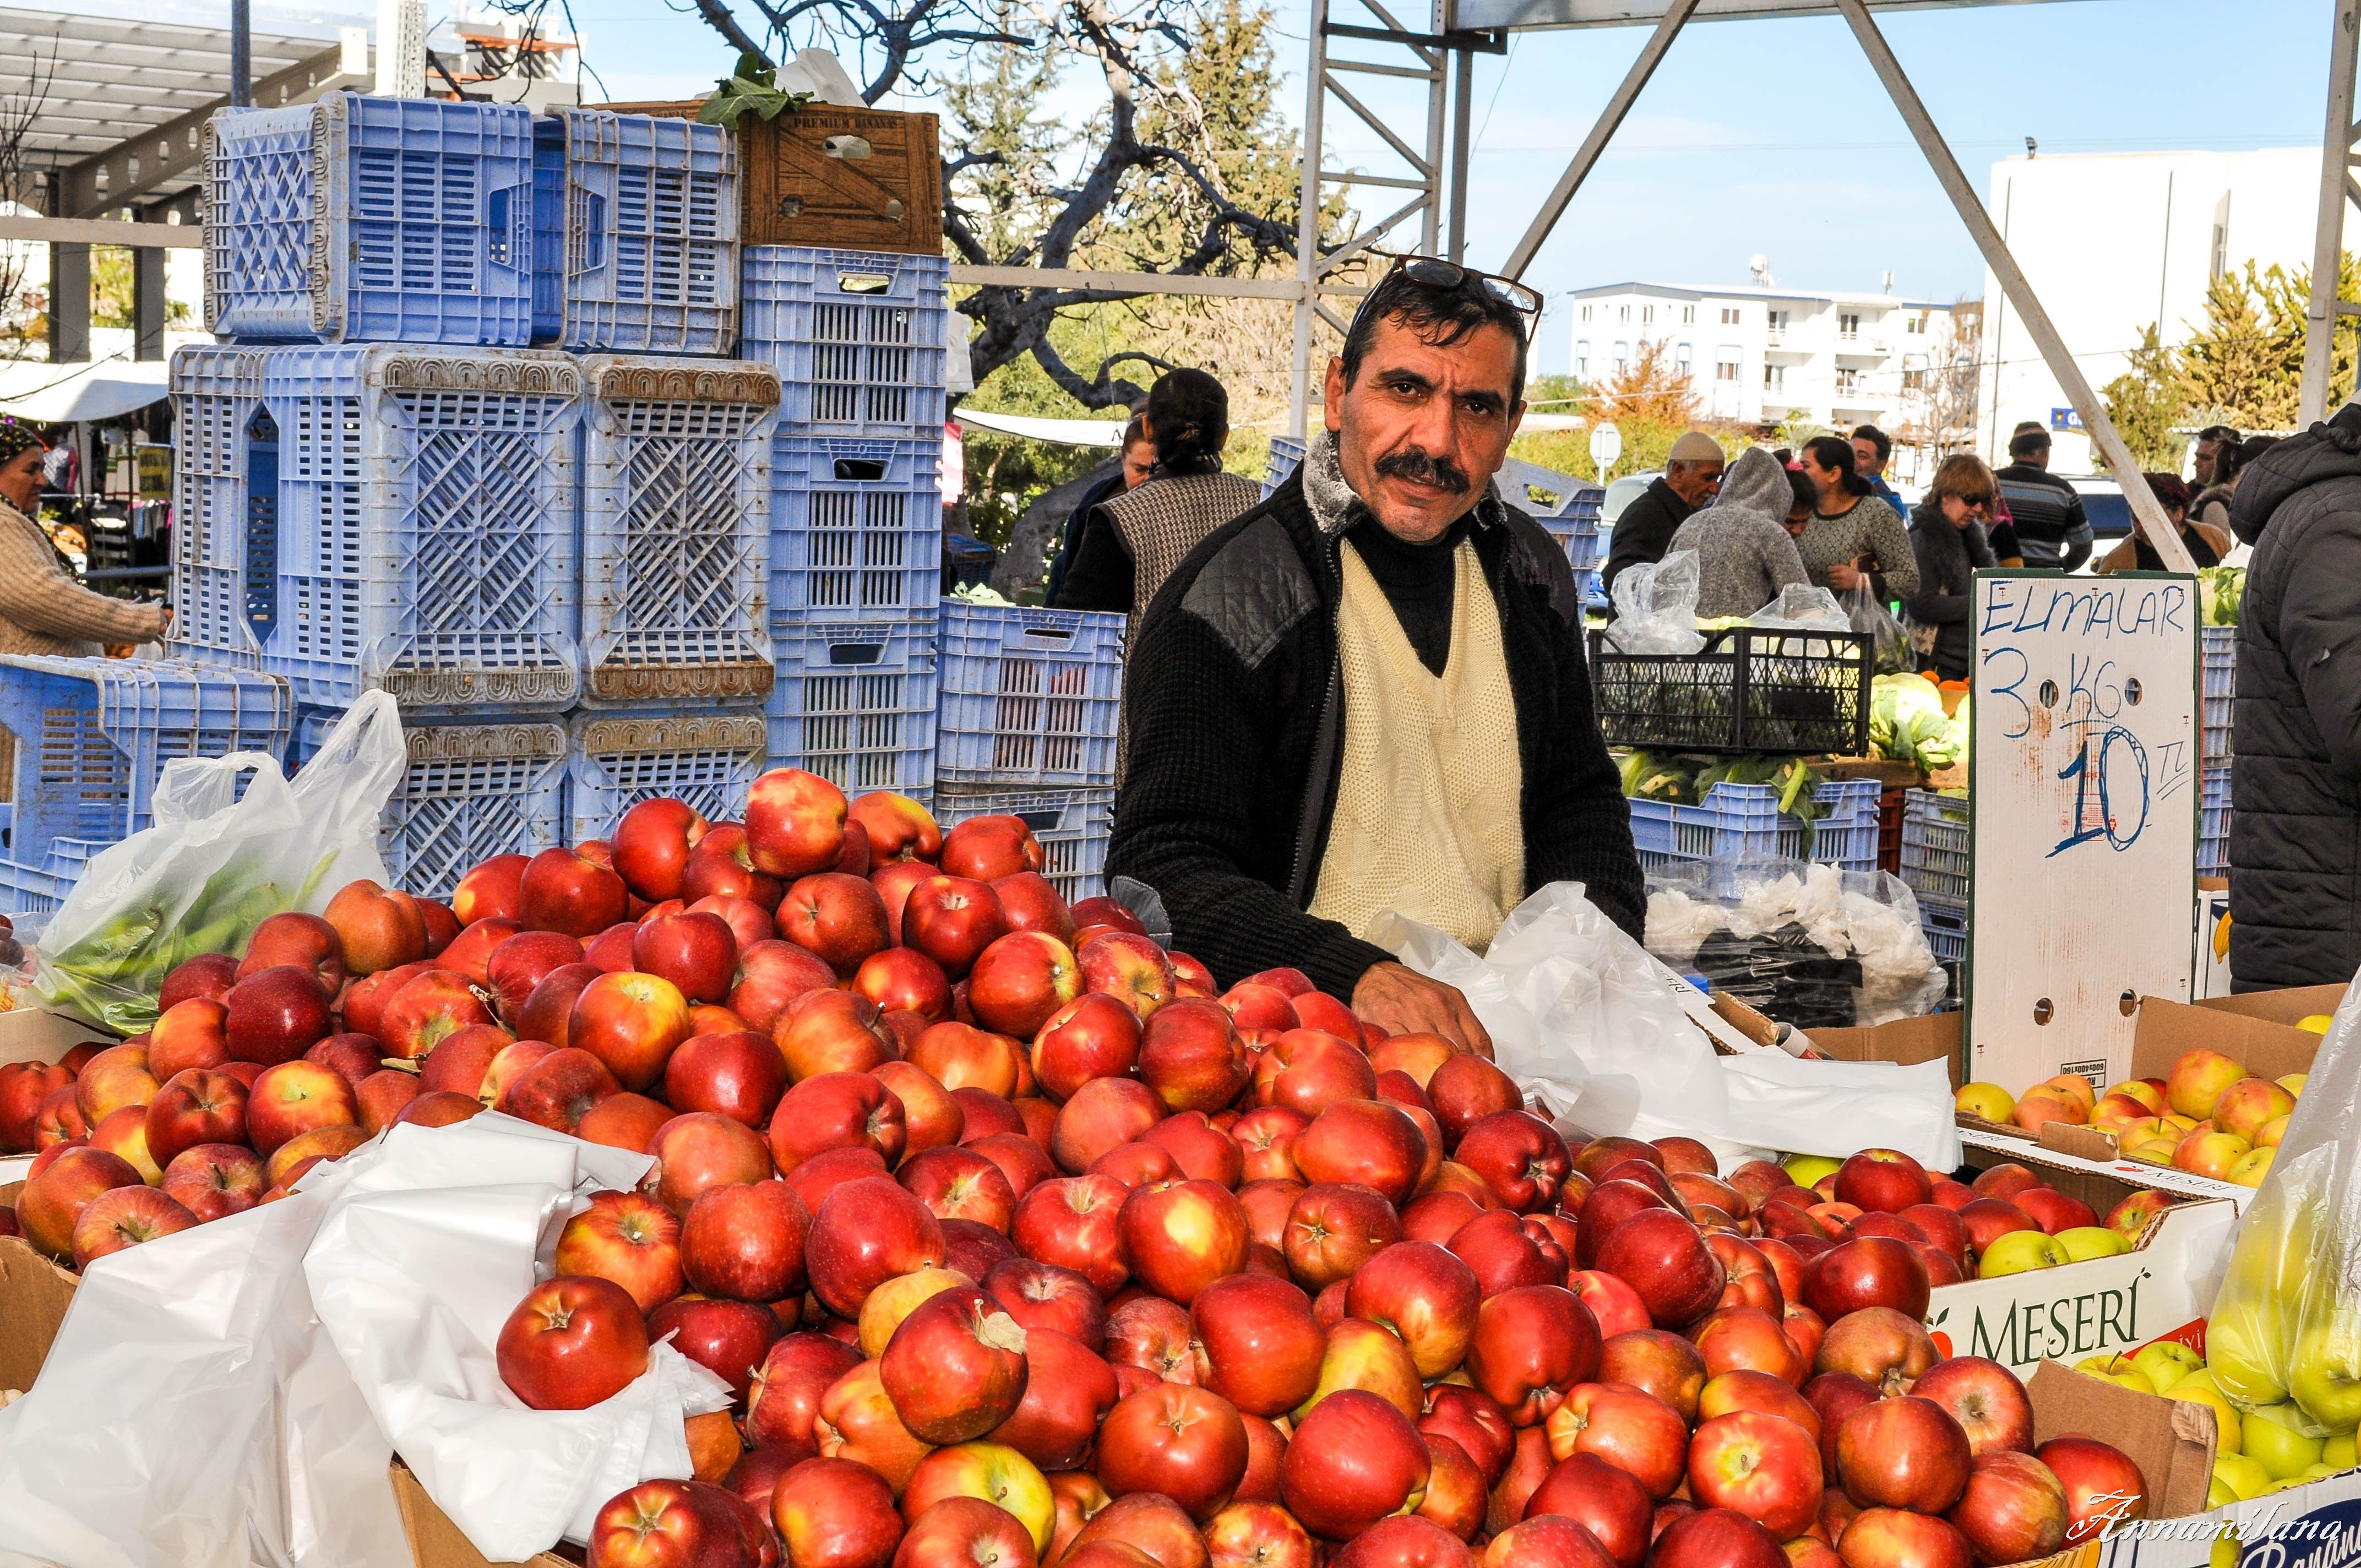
(1935, 867)
(466, 443)
(2218, 671)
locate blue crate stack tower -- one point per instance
(506, 421)
(471, 438)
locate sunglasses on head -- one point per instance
(1449, 277)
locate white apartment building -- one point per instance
(2113, 241)
(1767, 356)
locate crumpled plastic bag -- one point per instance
(1768, 931)
(1800, 606)
(233, 1395)
(1583, 1017)
(1890, 650)
(1655, 607)
(2284, 1339)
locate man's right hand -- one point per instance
(1401, 1001)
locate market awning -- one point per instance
(1065, 432)
(43, 393)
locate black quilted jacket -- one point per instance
(2295, 839)
(1236, 718)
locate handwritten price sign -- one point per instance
(2083, 786)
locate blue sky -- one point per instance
(1772, 137)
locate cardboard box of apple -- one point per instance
(1020, 1244)
(2209, 1118)
(2256, 1452)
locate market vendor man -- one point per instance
(1369, 693)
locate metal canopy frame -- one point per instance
(2338, 157)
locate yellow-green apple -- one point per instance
(2325, 1374)
(2019, 1250)
(2085, 1242)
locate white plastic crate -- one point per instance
(616, 761)
(676, 535)
(426, 538)
(356, 219)
(856, 527)
(635, 222)
(1031, 697)
(858, 337)
(225, 499)
(855, 704)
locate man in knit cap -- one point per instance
(1644, 531)
(1368, 694)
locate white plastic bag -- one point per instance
(232, 1395)
(1800, 606)
(215, 864)
(1584, 1017)
(1655, 607)
(1811, 913)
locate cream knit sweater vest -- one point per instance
(1428, 819)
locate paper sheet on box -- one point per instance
(233, 1395)
(1585, 1017)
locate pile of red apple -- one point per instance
(1018, 1243)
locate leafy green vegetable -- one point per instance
(751, 87)
(2220, 590)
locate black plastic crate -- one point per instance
(1749, 690)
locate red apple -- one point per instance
(961, 1184)
(275, 1015)
(1546, 1540)
(571, 1343)
(833, 1111)
(294, 1098)
(1657, 1363)
(864, 1233)
(1103, 1114)
(795, 823)
(833, 1031)
(301, 941)
(1504, 1253)
(741, 1076)
(124, 1217)
(1075, 1223)
(1182, 1236)
(729, 1339)
(698, 953)
(785, 1393)
(1531, 1345)
(190, 1033)
(652, 844)
(2053, 1211)
(1760, 1466)
(1520, 1156)
(53, 1200)
(564, 890)
(1353, 1460)
(1716, 1538)
(629, 1238)
(2013, 1511)
(379, 928)
(211, 1180)
(771, 977)
(1986, 1398)
(1466, 1089)
(1662, 1258)
(1905, 1452)
(1128, 966)
(1869, 1271)
(903, 980)
(2102, 1485)
(1426, 1296)
(835, 1513)
(1883, 1180)
(556, 1090)
(1262, 1347)
(1636, 1432)
(195, 1107)
(209, 975)
(700, 1150)
(1364, 1141)
(1896, 1538)
(955, 1368)
(745, 1242)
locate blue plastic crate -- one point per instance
(1286, 457)
(858, 337)
(856, 527)
(92, 735)
(676, 529)
(225, 498)
(1935, 857)
(1074, 827)
(2213, 820)
(615, 760)
(356, 219)
(1031, 698)
(31, 893)
(1736, 823)
(2218, 666)
(426, 542)
(855, 704)
(472, 790)
(1945, 923)
(635, 234)
(1593, 588)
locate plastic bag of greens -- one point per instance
(218, 863)
(1655, 607)
(2284, 1340)
(1890, 640)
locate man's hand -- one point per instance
(1845, 576)
(1404, 1001)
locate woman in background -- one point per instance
(1852, 538)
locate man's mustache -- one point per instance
(1420, 467)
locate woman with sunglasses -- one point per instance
(1946, 535)
(2206, 545)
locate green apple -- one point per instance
(2339, 1450)
(2085, 1242)
(2274, 1438)
(2325, 1374)
(2321, 1472)
(2166, 1362)
(2019, 1250)
(2219, 1494)
(2241, 1473)
(2241, 1352)
(2225, 1415)
(1805, 1168)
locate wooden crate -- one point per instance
(796, 191)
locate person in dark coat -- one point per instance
(1644, 531)
(1368, 694)
(1946, 535)
(2295, 836)
(1131, 541)
(1138, 461)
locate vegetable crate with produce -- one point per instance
(1906, 723)
(1751, 690)
(1739, 808)
(1006, 1238)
